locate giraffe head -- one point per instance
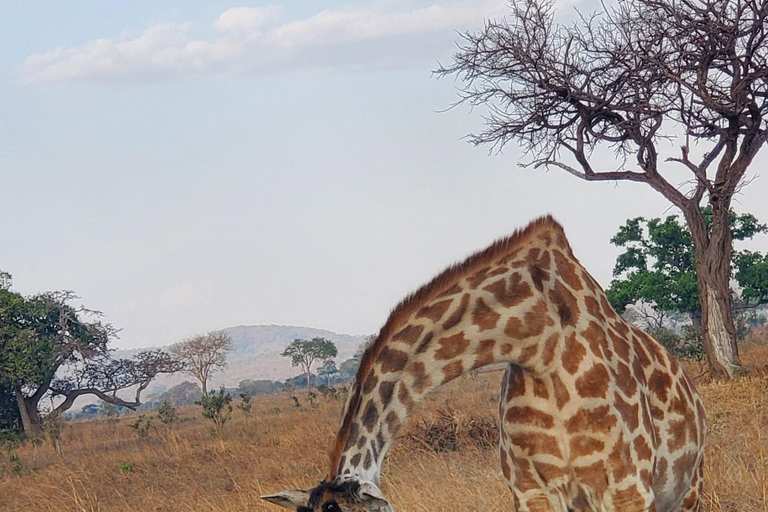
(350, 495)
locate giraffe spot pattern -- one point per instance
(453, 370)
(409, 334)
(393, 360)
(451, 346)
(456, 316)
(566, 304)
(561, 392)
(510, 292)
(386, 390)
(483, 316)
(594, 382)
(484, 353)
(599, 420)
(567, 271)
(583, 445)
(573, 354)
(420, 377)
(529, 416)
(370, 416)
(531, 443)
(533, 323)
(435, 311)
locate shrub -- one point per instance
(167, 413)
(217, 407)
(142, 425)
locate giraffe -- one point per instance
(595, 415)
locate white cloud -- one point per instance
(250, 41)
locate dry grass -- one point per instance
(185, 469)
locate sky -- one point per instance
(187, 165)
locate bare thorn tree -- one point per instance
(203, 354)
(630, 78)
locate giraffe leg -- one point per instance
(692, 499)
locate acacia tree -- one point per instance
(629, 79)
(203, 355)
(304, 353)
(49, 349)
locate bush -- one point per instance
(142, 425)
(687, 345)
(167, 414)
(217, 407)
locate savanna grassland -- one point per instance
(446, 459)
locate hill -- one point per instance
(256, 354)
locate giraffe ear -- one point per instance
(291, 500)
(372, 495)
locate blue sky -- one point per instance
(187, 166)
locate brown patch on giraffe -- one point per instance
(420, 377)
(483, 316)
(598, 420)
(548, 354)
(561, 392)
(548, 472)
(505, 469)
(622, 377)
(535, 443)
(629, 413)
(620, 345)
(546, 237)
(538, 262)
(533, 323)
(404, 396)
(593, 476)
(393, 422)
(566, 304)
(506, 348)
(484, 274)
(354, 432)
(355, 460)
(629, 499)
(392, 360)
(660, 475)
(593, 308)
(540, 388)
(683, 467)
(386, 390)
(453, 370)
(409, 335)
(515, 383)
(641, 356)
(484, 353)
(528, 353)
(367, 462)
(595, 336)
(677, 431)
(621, 328)
(451, 346)
(525, 478)
(370, 383)
(567, 271)
(360, 442)
(456, 316)
(529, 416)
(582, 445)
(573, 353)
(510, 292)
(588, 281)
(370, 416)
(659, 384)
(620, 460)
(424, 344)
(642, 449)
(453, 290)
(607, 309)
(594, 383)
(435, 311)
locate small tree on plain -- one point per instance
(203, 355)
(217, 407)
(327, 369)
(304, 353)
(245, 405)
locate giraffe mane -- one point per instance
(417, 299)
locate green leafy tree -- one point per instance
(658, 267)
(327, 369)
(627, 80)
(304, 353)
(50, 348)
(217, 407)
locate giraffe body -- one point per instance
(595, 415)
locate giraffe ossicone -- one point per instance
(595, 415)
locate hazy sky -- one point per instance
(191, 165)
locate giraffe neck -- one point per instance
(506, 307)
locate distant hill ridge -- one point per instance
(256, 353)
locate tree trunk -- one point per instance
(713, 272)
(30, 420)
(204, 385)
